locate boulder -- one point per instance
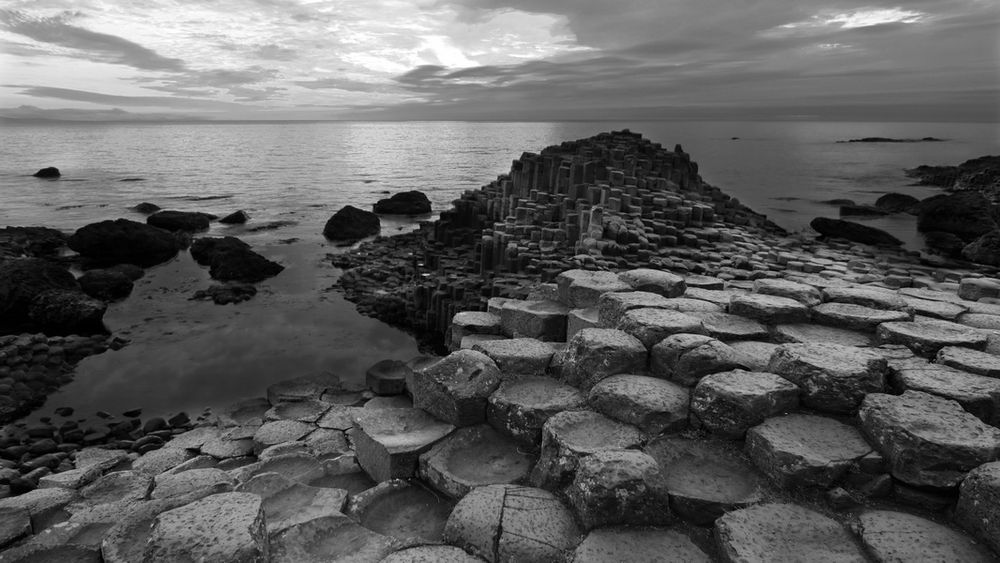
(595, 353)
(978, 509)
(833, 378)
(351, 223)
(897, 536)
(784, 532)
(187, 221)
(106, 285)
(146, 208)
(686, 358)
(947, 244)
(235, 218)
(123, 241)
(65, 311)
(653, 405)
(230, 259)
(49, 172)
(974, 289)
(23, 279)
(856, 232)
(519, 408)
(929, 441)
(730, 402)
(35, 242)
(897, 203)
(619, 488)
(984, 250)
(570, 436)
(455, 388)
(966, 214)
(404, 203)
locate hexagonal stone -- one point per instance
(768, 309)
(716, 296)
(856, 317)
(469, 342)
(978, 509)
(927, 337)
(686, 358)
(819, 334)
(979, 320)
(44, 506)
(126, 486)
(472, 457)
(432, 554)
(833, 378)
(784, 532)
(467, 323)
(611, 307)
(654, 281)
(704, 282)
(569, 436)
(977, 394)
(945, 310)
(302, 468)
(389, 441)
(898, 536)
(641, 545)
(975, 289)
(512, 523)
(544, 320)
(731, 327)
(730, 402)
(705, 478)
(800, 450)
(653, 405)
(302, 388)
(279, 431)
(618, 487)
(689, 305)
(158, 461)
(579, 319)
(930, 441)
(308, 411)
(387, 377)
(582, 288)
(408, 512)
(520, 408)
(222, 448)
(803, 293)
(595, 353)
(330, 538)
(874, 297)
(193, 439)
(288, 502)
(972, 361)
(15, 523)
(227, 527)
(518, 356)
(249, 411)
(754, 354)
(338, 418)
(72, 479)
(651, 325)
(455, 388)
(209, 481)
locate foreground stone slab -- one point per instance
(875, 298)
(833, 378)
(611, 307)
(432, 554)
(705, 478)
(389, 441)
(15, 523)
(408, 512)
(784, 532)
(512, 523)
(651, 325)
(929, 441)
(686, 358)
(769, 309)
(227, 527)
(455, 388)
(728, 327)
(467, 323)
(126, 540)
(619, 487)
(803, 293)
(582, 288)
(207, 480)
(641, 545)
(569, 436)
(654, 281)
(328, 539)
(799, 450)
(820, 334)
(519, 408)
(928, 337)
(595, 353)
(288, 502)
(278, 432)
(972, 361)
(856, 317)
(518, 356)
(730, 402)
(303, 388)
(977, 394)
(898, 536)
(544, 320)
(978, 509)
(472, 457)
(652, 404)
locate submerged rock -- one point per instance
(123, 241)
(351, 223)
(852, 231)
(188, 221)
(230, 259)
(235, 218)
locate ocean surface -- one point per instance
(290, 177)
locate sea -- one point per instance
(290, 177)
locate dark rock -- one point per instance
(205, 249)
(977, 173)
(967, 215)
(862, 210)
(50, 172)
(231, 259)
(224, 294)
(124, 241)
(107, 285)
(404, 203)
(38, 242)
(147, 208)
(236, 218)
(351, 223)
(131, 271)
(945, 243)
(897, 203)
(179, 420)
(839, 202)
(23, 279)
(984, 250)
(63, 311)
(891, 140)
(189, 221)
(853, 231)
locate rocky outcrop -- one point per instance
(30, 242)
(967, 215)
(981, 173)
(985, 249)
(351, 223)
(50, 172)
(106, 285)
(856, 232)
(231, 260)
(235, 218)
(897, 203)
(404, 203)
(124, 242)
(187, 221)
(67, 311)
(23, 279)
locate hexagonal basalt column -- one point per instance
(596, 353)
(832, 377)
(619, 487)
(730, 402)
(389, 441)
(455, 388)
(570, 436)
(519, 408)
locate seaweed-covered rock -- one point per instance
(23, 279)
(123, 241)
(964, 214)
(351, 223)
(856, 232)
(404, 203)
(188, 221)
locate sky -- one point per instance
(912, 60)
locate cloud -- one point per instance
(32, 113)
(341, 84)
(274, 52)
(98, 47)
(116, 100)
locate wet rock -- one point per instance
(569, 436)
(582, 288)
(544, 320)
(24, 279)
(226, 294)
(833, 378)
(972, 361)
(797, 450)
(784, 532)
(329, 538)
(596, 353)
(897, 536)
(351, 223)
(856, 232)
(472, 457)
(686, 358)
(929, 441)
(288, 503)
(107, 285)
(227, 527)
(618, 487)
(235, 218)
(768, 309)
(205, 480)
(404, 203)
(978, 509)
(123, 241)
(965, 214)
(651, 325)
(230, 259)
(187, 221)
(408, 512)
(518, 356)
(928, 337)
(519, 408)
(897, 203)
(389, 442)
(512, 523)
(655, 281)
(388, 377)
(455, 388)
(64, 311)
(653, 405)
(641, 545)
(730, 402)
(146, 208)
(278, 431)
(49, 172)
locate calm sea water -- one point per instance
(293, 176)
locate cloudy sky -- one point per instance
(501, 59)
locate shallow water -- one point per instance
(292, 176)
